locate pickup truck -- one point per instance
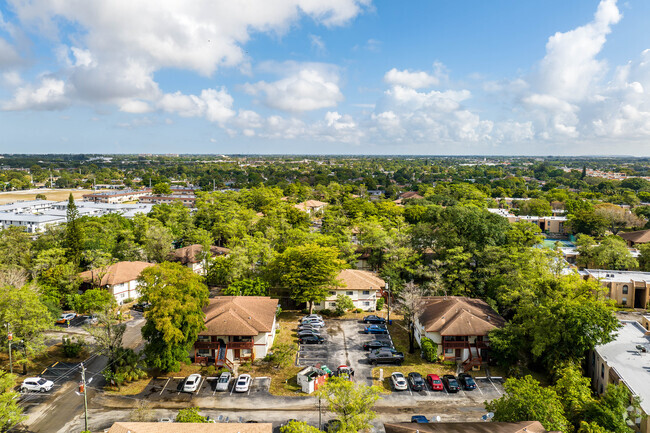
(385, 357)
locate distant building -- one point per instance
(311, 206)
(636, 238)
(363, 287)
(116, 196)
(190, 256)
(186, 200)
(551, 225)
(625, 361)
(629, 288)
(120, 279)
(459, 326)
(31, 223)
(410, 195)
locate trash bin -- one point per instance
(390, 322)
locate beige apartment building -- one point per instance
(627, 288)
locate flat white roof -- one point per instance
(632, 365)
(618, 276)
(30, 218)
(24, 204)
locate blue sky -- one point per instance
(327, 77)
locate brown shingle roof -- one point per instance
(189, 254)
(467, 427)
(120, 272)
(309, 204)
(411, 194)
(638, 237)
(161, 427)
(239, 315)
(355, 279)
(458, 315)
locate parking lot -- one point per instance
(171, 388)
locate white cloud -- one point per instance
(215, 105)
(135, 106)
(50, 94)
(414, 80)
(307, 89)
(317, 44)
(8, 55)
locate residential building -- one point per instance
(551, 225)
(189, 427)
(466, 427)
(237, 328)
(628, 288)
(116, 196)
(120, 279)
(410, 195)
(459, 326)
(186, 200)
(311, 206)
(636, 238)
(190, 256)
(625, 361)
(31, 223)
(363, 287)
(26, 206)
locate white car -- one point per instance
(66, 317)
(36, 384)
(313, 316)
(243, 383)
(192, 383)
(399, 381)
(313, 322)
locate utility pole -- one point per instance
(319, 414)
(82, 385)
(10, 338)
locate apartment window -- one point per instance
(203, 338)
(317, 304)
(625, 289)
(332, 304)
(449, 351)
(366, 292)
(624, 301)
(366, 304)
(246, 352)
(332, 293)
(602, 371)
(204, 352)
(349, 293)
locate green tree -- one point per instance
(410, 304)
(247, 287)
(298, 427)
(343, 304)
(191, 414)
(175, 317)
(535, 207)
(161, 188)
(573, 389)
(526, 400)
(352, 402)
(108, 334)
(92, 301)
(27, 317)
(11, 413)
(73, 234)
(587, 222)
(644, 257)
(610, 253)
(610, 410)
(157, 243)
(310, 271)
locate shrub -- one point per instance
(326, 312)
(210, 370)
(72, 349)
(380, 304)
(358, 310)
(343, 304)
(127, 301)
(429, 349)
(278, 311)
(305, 311)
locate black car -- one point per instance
(376, 344)
(374, 319)
(416, 381)
(332, 426)
(307, 332)
(466, 381)
(141, 307)
(451, 385)
(311, 339)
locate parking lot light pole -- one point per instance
(83, 386)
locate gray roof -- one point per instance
(618, 276)
(631, 365)
(30, 218)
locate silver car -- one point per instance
(224, 381)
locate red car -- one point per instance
(435, 382)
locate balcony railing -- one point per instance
(455, 344)
(240, 345)
(206, 345)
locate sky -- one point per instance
(426, 77)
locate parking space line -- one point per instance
(200, 385)
(165, 385)
(495, 387)
(478, 387)
(233, 386)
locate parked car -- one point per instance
(450, 382)
(434, 382)
(420, 419)
(36, 384)
(141, 306)
(311, 339)
(374, 319)
(313, 322)
(416, 381)
(399, 382)
(224, 381)
(385, 356)
(90, 320)
(376, 329)
(307, 332)
(243, 383)
(466, 381)
(192, 383)
(376, 344)
(303, 327)
(313, 316)
(332, 426)
(66, 317)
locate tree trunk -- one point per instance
(411, 338)
(311, 307)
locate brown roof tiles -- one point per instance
(118, 273)
(239, 315)
(355, 279)
(158, 427)
(457, 315)
(638, 237)
(467, 427)
(190, 253)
